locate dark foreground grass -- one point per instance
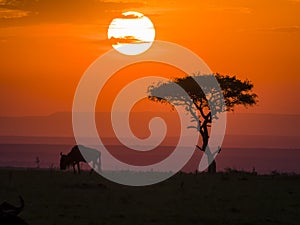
(235, 198)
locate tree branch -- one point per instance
(190, 108)
(199, 148)
(218, 151)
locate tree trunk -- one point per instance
(212, 167)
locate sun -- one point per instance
(132, 33)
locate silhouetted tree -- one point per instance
(205, 102)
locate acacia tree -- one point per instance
(205, 102)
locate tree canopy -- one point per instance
(235, 91)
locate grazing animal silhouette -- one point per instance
(9, 213)
(74, 157)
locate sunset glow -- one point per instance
(57, 41)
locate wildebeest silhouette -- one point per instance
(9, 213)
(74, 157)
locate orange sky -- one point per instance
(46, 45)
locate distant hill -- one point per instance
(243, 130)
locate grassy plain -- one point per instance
(230, 198)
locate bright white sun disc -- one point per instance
(132, 33)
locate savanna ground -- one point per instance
(231, 198)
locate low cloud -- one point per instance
(126, 40)
(284, 29)
(64, 11)
(12, 13)
(244, 10)
(131, 16)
